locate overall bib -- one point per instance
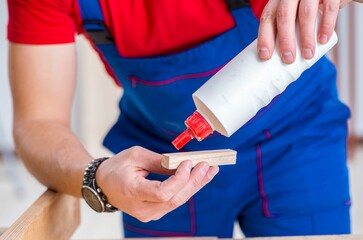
(291, 176)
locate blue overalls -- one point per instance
(291, 176)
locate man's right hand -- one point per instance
(123, 180)
(279, 19)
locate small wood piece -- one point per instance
(52, 216)
(212, 157)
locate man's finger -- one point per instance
(200, 176)
(308, 10)
(156, 191)
(286, 20)
(146, 160)
(330, 9)
(267, 30)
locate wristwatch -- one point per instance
(91, 193)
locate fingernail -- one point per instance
(307, 53)
(323, 38)
(264, 53)
(287, 57)
(213, 172)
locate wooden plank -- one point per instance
(213, 157)
(52, 216)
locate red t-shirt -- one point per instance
(140, 28)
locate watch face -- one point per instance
(92, 198)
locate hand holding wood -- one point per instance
(212, 157)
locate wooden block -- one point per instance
(213, 157)
(52, 216)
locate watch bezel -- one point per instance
(91, 193)
(91, 203)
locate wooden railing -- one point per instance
(52, 216)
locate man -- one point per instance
(291, 176)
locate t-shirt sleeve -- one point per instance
(258, 6)
(42, 21)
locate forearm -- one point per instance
(42, 80)
(52, 153)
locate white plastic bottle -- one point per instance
(241, 88)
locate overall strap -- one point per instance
(235, 4)
(93, 22)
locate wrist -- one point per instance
(92, 192)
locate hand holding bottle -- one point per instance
(278, 20)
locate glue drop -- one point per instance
(241, 88)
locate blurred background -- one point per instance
(18, 189)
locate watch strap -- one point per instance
(89, 179)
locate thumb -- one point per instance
(151, 162)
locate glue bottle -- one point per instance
(241, 88)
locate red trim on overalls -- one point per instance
(261, 188)
(135, 80)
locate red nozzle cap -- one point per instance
(182, 139)
(198, 127)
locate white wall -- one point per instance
(349, 58)
(358, 66)
(5, 99)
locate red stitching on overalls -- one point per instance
(135, 80)
(263, 195)
(192, 232)
(267, 134)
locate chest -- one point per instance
(148, 28)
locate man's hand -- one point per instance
(279, 18)
(123, 179)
